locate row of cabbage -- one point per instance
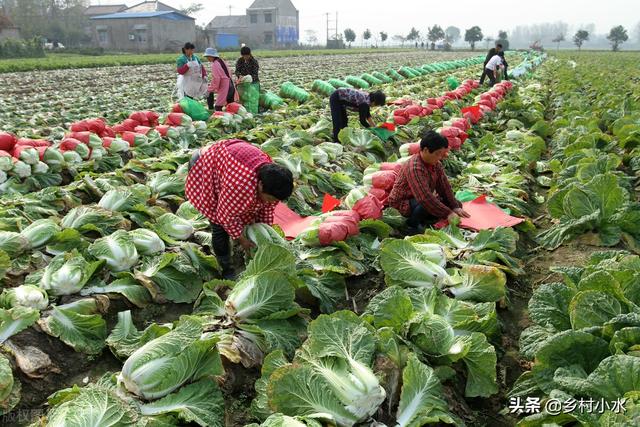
(245, 332)
(584, 336)
(139, 269)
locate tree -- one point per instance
(383, 36)
(472, 36)
(192, 9)
(312, 37)
(349, 36)
(452, 34)
(488, 40)
(617, 36)
(413, 35)
(580, 37)
(400, 39)
(503, 39)
(366, 35)
(435, 34)
(559, 38)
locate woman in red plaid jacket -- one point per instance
(235, 184)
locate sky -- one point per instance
(398, 17)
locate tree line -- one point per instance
(436, 34)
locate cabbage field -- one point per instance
(113, 312)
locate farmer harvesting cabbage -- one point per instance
(354, 99)
(422, 192)
(191, 74)
(247, 68)
(494, 51)
(235, 184)
(221, 83)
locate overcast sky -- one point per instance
(397, 17)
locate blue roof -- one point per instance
(165, 14)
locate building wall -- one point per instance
(173, 34)
(281, 31)
(160, 34)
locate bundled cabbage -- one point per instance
(170, 361)
(13, 243)
(9, 387)
(40, 232)
(24, 296)
(66, 274)
(147, 242)
(171, 227)
(117, 250)
(260, 233)
(331, 371)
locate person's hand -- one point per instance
(453, 218)
(462, 213)
(245, 243)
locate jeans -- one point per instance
(338, 115)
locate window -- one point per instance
(268, 38)
(141, 36)
(103, 36)
(267, 18)
(253, 18)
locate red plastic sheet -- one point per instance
(291, 223)
(329, 203)
(484, 216)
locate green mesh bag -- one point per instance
(270, 101)
(357, 82)
(382, 77)
(250, 96)
(322, 87)
(337, 83)
(394, 74)
(452, 83)
(370, 79)
(290, 91)
(194, 109)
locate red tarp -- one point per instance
(484, 216)
(291, 223)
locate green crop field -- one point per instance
(113, 310)
(60, 61)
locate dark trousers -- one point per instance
(419, 215)
(211, 102)
(489, 74)
(338, 115)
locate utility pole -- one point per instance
(332, 29)
(327, 14)
(230, 7)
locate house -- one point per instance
(150, 26)
(97, 10)
(7, 29)
(267, 23)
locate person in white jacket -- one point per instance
(493, 68)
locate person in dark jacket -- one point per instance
(247, 65)
(492, 52)
(357, 100)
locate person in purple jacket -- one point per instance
(357, 100)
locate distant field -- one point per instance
(59, 61)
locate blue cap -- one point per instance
(211, 52)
